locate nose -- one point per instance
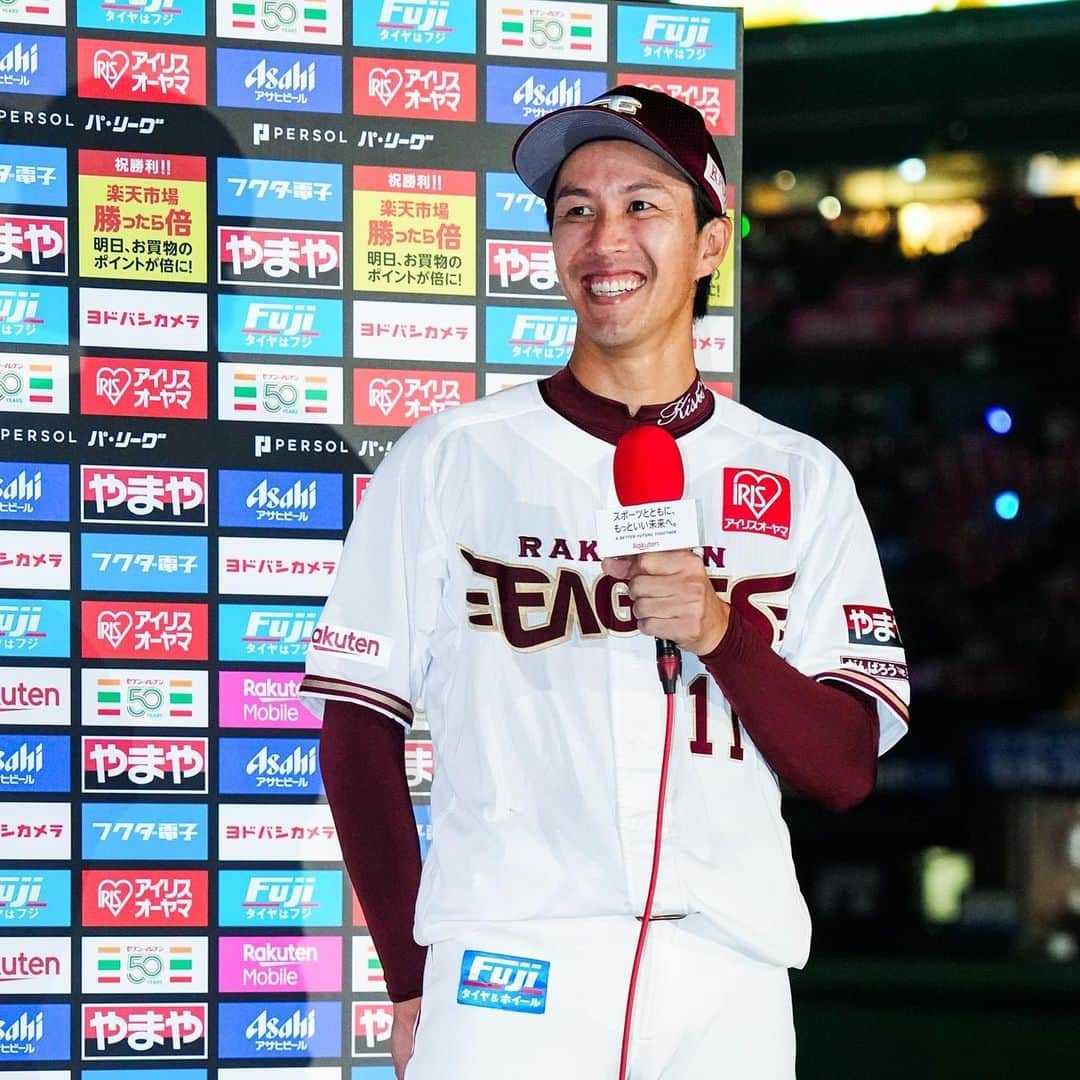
(609, 232)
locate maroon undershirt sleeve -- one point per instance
(820, 739)
(362, 758)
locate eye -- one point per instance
(637, 205)
(579, 210)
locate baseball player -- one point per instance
(470, 579)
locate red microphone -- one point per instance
(649, 469)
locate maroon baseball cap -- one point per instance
(666, 126)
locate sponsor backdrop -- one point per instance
(243, 246)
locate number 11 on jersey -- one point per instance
(698, 689)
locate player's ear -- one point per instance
(713, 242)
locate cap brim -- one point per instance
(542, 148)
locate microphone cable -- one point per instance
(668, 663)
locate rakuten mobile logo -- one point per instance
(345, 642)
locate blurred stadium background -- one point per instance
(911, 296)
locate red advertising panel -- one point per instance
(111, 386)
(133, 899)
(413, 89)
(400, 398)
(156, 71)
(141, 630)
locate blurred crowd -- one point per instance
(893, 363)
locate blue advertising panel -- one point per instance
(518, 95)
(676, 37)
(253, 499)
(265, 79)
(287, 327)
(523, 335)
(33, 763)
(293, 190)
(123, 832)
(30, 491)
(33, 1032)
(440, 26)
(30, 898)
(279, 897)
(34, 628)
(163, 17)
(32, 64)
(509, 206)
(126, 562)
(279, 1029)
(261, 634)
(33, 175)
(269, 767)
(33, 315)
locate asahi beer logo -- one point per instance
(316, 22)
(279, 767)
(267, 700)
(35, 695)
(35, 965)
(304, 82)
(144, 965)
(415, 25)
(676, 38)
(137, 495)
(413, 89)
(35, 1033)
(144, 899)
(33, 764)
(30, 491)
(518, 95)
(170, 1031)
(145, 697)
(548, 30)
(279, 1029)
(279, 898)
(280, 393)
(35, 560)
(32, 65)
(34, 898)
(165, 765)
(115, 386)
(33, 245)
(397, 330)
(259, 566)
(43, 828)
(756, 501)
(33, 384)
(296, 832)
(279, 500)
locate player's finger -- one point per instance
(617, 567)
(651, 585)
(660, 562)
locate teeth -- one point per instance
(615, 287)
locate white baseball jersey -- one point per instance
(470, 579)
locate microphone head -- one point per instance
(648, 466)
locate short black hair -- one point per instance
(704, 212)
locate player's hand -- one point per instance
(673, 598)
(401, 1034)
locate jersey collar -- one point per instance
(608, 420)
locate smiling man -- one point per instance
(470, 581)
